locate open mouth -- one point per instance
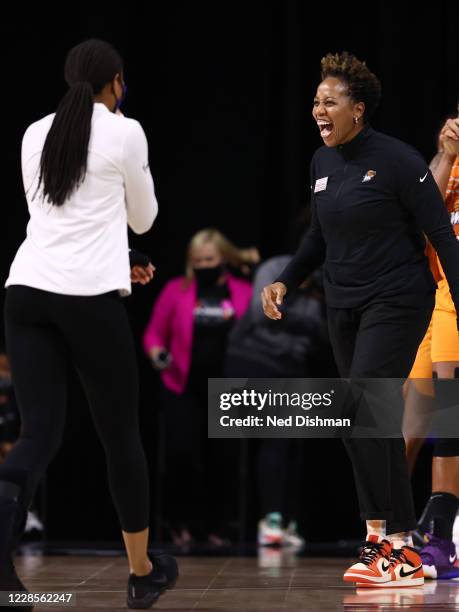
(325, 127)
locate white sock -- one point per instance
(376, 528)
(400, 539)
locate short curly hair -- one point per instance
(363, 85)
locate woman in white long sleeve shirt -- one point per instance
(86, 178)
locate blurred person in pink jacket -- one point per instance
(186, 340)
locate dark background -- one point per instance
(224, 92)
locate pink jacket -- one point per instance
(171, 324)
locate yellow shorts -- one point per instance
(421, 372)
(422, 367)
(441, 342)
(445, 340)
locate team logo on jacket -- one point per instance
(368, 176)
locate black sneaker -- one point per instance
(144, 591)
(10, 522)
(167, 565)
(10, 582)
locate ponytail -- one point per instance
(88, 68)
(65, 152)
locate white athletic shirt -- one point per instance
(81, 248)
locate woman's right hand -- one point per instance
(272, 296)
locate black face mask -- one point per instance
(207, 277)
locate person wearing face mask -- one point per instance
(186, 339)
(86, 179)
(373, 199)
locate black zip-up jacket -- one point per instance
(372, 200)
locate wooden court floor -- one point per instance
(223, 584)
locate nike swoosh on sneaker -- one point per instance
(452, 558)
(385, 567)
(421, 180)
(410, 573)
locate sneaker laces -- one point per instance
(398, 554)
(370, 551)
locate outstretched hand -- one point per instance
(272, 296)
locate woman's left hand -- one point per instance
(142, 274)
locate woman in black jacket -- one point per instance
(372, 198)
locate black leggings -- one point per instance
(45, 333)
(380, 341)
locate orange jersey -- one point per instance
(452, 197)
(452, 194)
(440, 343)
(444, 301)
(452, 205)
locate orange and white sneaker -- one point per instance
(405, 570)
(406, 567)
(373, 567)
